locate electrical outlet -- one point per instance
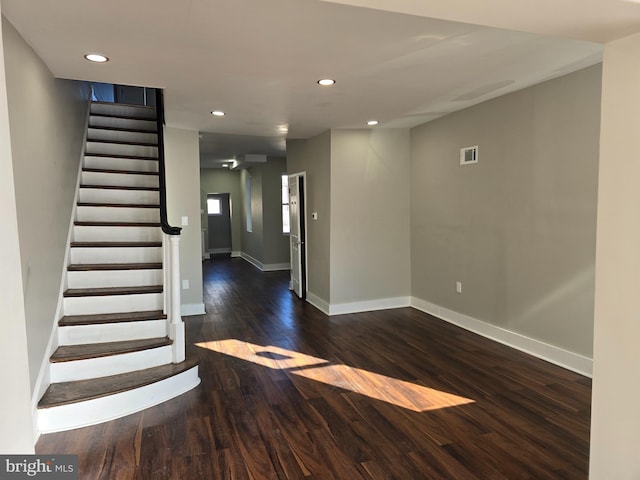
(459, 287)
(185, 284)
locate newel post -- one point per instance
(176, 325)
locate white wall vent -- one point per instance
(468, 155)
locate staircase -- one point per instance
(121, 340)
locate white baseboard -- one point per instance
(214, 251)
(556, 355)
(268, 267)
(192, 309)
(317, 302)
(235, 254)
(369, 305)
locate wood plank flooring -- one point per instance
(289, 393)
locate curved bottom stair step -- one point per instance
(70, 405)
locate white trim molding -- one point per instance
(235, 254)
(369, 305)
(268, 267)
(188, 309)
(556, 355)
(317, 302)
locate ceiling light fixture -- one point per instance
(326, 82)
(372, 123)
(217, 113)
(96, 57)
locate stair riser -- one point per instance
(113, 304)
(111, 365)
(123, 110)
(122, 136)
(117, 214)
(114, 278)
(112, 332)
(116, 255)
(122, 123)
(110, 163)
(116, 149)
(119, 179)
(97, 195)
(116, 234)
(91, 412)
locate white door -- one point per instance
(297, 234)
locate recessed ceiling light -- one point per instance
(326, 82)
(372, 123)
(96, 57)
(283, 129)
(217, 113)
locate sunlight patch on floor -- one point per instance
(401, 393)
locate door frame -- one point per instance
(305, 265)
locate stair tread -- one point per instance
(118, 205)
(84, 267)
(123, 104)
(114, 244)
(116, 224)
(123, 142)
(120, 187)
(105, 291)
(102, 318)
(70, 353)
(72, 392)
(124, 172)
(122, 129)
(113, 155)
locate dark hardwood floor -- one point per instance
(289, 393)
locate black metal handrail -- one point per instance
(164, 223)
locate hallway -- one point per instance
(290, 393)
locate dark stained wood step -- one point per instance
(87, 267)
(72, 392)
(118, 205)
(111, 155)
(115, 244)
(120, 187)
(124, 142)
(123, 129)
(103, 318)
(106, 291)
(124, 172)
(116, 224)
(70, 353)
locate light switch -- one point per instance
(185, 284)
(185, 221)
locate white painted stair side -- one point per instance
(103, 409)
(109, 365)
(114, 278)
(112, 332)
(84, 255)
(113, 304)
(117, 214)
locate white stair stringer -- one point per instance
(103, 409)
(109, 365)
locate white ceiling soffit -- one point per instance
(592, 20)
(259, 61)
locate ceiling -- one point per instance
(259, 60)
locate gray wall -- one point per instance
(370, 215)
(253, 241)
(47, 119)
(182, 151)
(220, 180)
(276, 244)
(313, 156)
(16, 426)
(518, 228)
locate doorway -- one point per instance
(298, 234)
(218, 223)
